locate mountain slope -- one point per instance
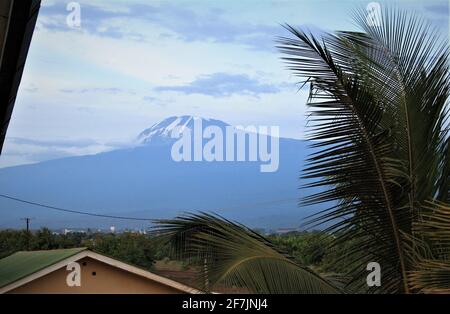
(144, 181)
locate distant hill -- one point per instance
(144, 181)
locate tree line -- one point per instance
(307, 248)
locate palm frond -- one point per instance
(412, 62)
(443, 193)
(431, 272)
(431, 276)
(236, 256)
(355, 156)
(377, 109)
(433, 227)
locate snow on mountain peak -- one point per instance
(161, 131)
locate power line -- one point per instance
(246, 206)
(72, 210)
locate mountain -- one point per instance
(161, 132)
(145, 181)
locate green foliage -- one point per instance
(133, 248)
(12, 241)
(44, 240)
(307, 248)
(136, 249)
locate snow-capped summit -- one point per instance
(162, 131)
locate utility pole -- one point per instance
(27, 219)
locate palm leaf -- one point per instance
(377, 109)
(443, 193)
(431, 276)
(431, 272)
(355, 155)
(238, 257)
(413, 56)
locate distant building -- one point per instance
(79, 270)
(67, 231)
(286, 230)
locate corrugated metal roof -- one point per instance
(25, 263)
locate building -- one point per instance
(79, 270)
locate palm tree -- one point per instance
(378, 121)
(236, 256)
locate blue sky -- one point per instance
(135, 62)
